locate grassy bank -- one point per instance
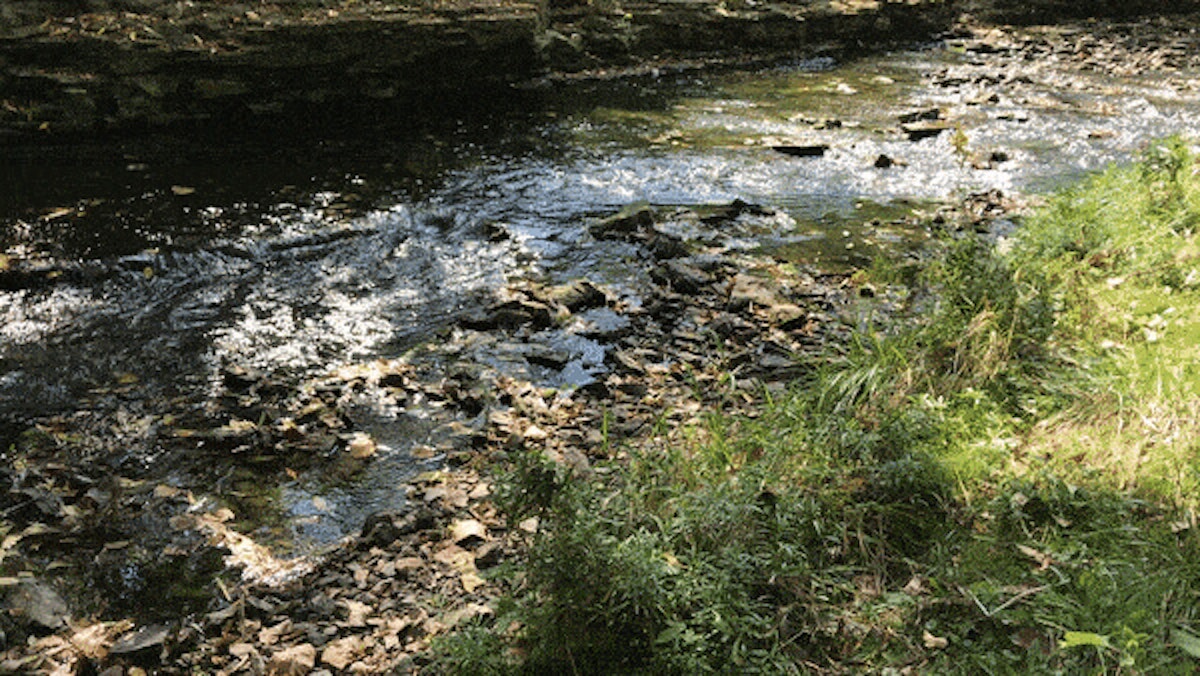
(1003, 482)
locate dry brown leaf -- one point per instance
(1043, 560)
(270, 635)
(456, 557)
(357, 613)
(93, 641)
(341, 653)
(933, 642)
(471, 582)
(465, 531)
(294, 660)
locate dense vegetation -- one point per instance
(1003, 480)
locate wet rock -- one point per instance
(811, 150)
(681, 277)
(923, 115)
(628, 221)
(383, 528)
(510, 315)
(884, 162)
(664, 246)
(35, 605)
(732, 211)
(918, 131)
(580, 294)
(548, 358)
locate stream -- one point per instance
(165, 285)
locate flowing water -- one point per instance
(175, 265)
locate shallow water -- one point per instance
(336, 252)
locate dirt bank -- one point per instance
(95, 67)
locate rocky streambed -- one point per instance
(256, 427)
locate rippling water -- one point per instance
(296, 262)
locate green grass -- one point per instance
(1006, 482)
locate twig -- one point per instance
(1006, 604)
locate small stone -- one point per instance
(361, 446)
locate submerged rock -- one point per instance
(36, 607)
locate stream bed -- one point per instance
(165, 305)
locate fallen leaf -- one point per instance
(915, 587)
(933, 642)
(467, 531)
(341, 653)
(357, 613)
(270, 635)
(456, 557)
(1043, 560)
(295, 660)
(471, 582)
(535, 433)
(182, 190)
(92, 642)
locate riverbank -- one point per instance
(156, 65)
(71, 73)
